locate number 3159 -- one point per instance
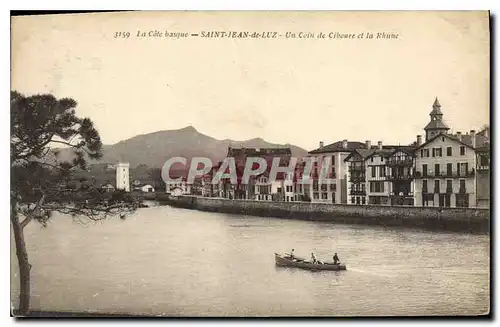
(122, 35)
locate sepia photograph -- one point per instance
(251, 164)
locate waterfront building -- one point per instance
(377, 183)
(446, 165)
(400, 176)
(356, 175)
(335, 191)
(178, 187)
(247, 191)
(123, 176)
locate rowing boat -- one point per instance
(286, 261)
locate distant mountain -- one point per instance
(155, 148)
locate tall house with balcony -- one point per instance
(335, 191)
(377, 181)
(356, 175)
(400, 176)
(446, 164)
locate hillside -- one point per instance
(155, 148)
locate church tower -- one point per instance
(436, 125)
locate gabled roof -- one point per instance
(409, 150)
(337, 147)
(383, 153)
(363, 153)
(436, 124)
(445, 135)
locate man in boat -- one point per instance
(313, 258)
(335, 259)
(292, 255)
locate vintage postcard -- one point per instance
(251, 164)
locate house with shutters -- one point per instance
(446, 165)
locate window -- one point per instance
(382, 159)
(382, 171)
(422, 153)
(483, 161)
(315, 195)
(363, 200)
(449, 186)
(436, 186)
(462, 200)
(439, 152)
(324, 187)
(315, 185)
(442, 139)
(373, 171)
(424, 186)
(371, 159)
(462, 169)
(449, 151)
(333, 160)
(353, 200)
(462, 186)
(436, 168)
(333, 187)
(324, 195)
(424, 169)
(433, 152)
(449, 169)
(462, 150)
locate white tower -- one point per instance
(122, 176)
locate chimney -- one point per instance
(368, 144)
(321, 144)
(344, 144)
(419, 140)
(473, 138)
(379, 145)
(459, 136)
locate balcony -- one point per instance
(462, 191)
(449, 190)
(404, 194)
(356, 169)
(357, 179)
(399, 177)
(400, 162)
(357, 192)
(445, 174)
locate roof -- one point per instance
(409, 150)
(337, 147)
(446, 135)
(481, 140)
(436, 108)
(383, 153)
(363, 153)
(436, 124)
(258, 151)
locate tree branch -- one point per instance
(35, 210)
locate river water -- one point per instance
(170, 261)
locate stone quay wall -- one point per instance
(452, 219)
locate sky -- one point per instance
(296, 90)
